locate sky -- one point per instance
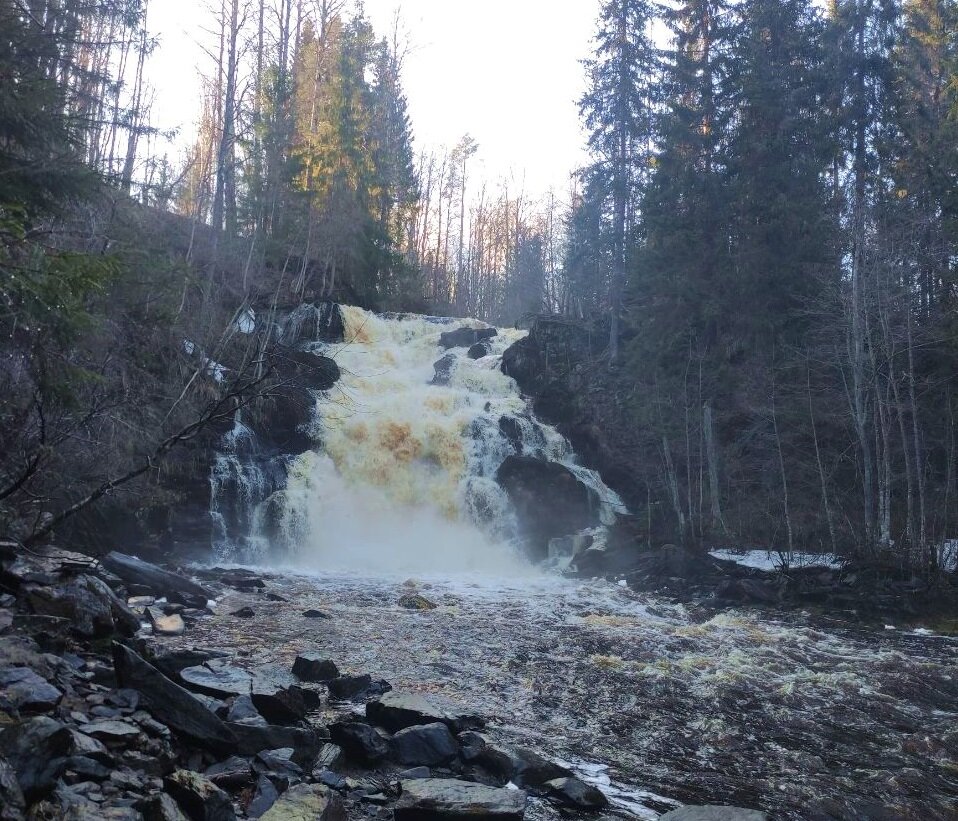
(508, 72)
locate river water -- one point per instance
(653, 701)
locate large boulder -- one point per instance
(549, 501)
(93, 609)
(306, 742)
(135, 571)
(428, 745)
(199, 797)
(465, 337)
(307, 802)
(170, 703)
(397, 710)
(359, 742)
(441, 799)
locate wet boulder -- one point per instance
(427, 745)
(522, 766)
(135, 571)
(305, 369)
(26, 691)
(465, 337)
(276, 694)
(549, 499)
(574, 793)
(359, 742)
(397, 710)
(443, 369)
(314, 667)
(442, 799)
(92, 608)
(251, 739)
(479, 350)
(36, 750)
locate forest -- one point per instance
(765, 240)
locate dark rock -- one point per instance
(748, 591)
(523, 766)
(305, 369)
(345, 688)
(359, 742)
(232, 774)
(244, 613)
(12, 802)
(264, 797)
(132, 569)
(714, 813)
(439, 799)
(549, 500)
(330, 779)
(572, 792)
(471, 745)
(479, 350)
(252, 739)
(188, 600)
(314, 322)
(111, 731)
(413, 601)
(160, 807)
(170, 703)
(199, 797)
(36, 750)
(427, 744)
(415, 772)
(217, 678)
(443, 369)
(279, 766)
(93, 609)
(465, 337)
(315, 614)
(312, 802)
(277, 695)
(84, 769)
(329, 756)
(314, 667)
(398, 710)
(276, 597)
(27, 691)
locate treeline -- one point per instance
(770, 225)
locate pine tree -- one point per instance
(617, 111)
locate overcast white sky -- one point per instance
(506, 71)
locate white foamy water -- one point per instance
(403, 476)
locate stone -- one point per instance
(314, 667)
(276, 695)
(243, 709)
(441, 799)
(92, 608)
(413, 601)
(575, 793)
(136, 571)
(252, 739)
(359, 742)
(315, 614)
(84, 769)
(198, 797)
(345, 688)
(263, 798)
(244, 613)
(234, 773)
(307, 802)
(713, 812)
(169, 703)
(397, 710)
(141, 601)
(427, 744)
(471, 745)
(415, 772)
(465, 337)
(549, 500)
(12, 801)
(443, 369)
(217, 678)
(524, 767)
(26, 691)
(171, 625)
(160, 807)
(36, 749)
(479, 350)
(329, 756)
(111, 731)
(173, 662)
(279, 766)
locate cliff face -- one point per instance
(560, 366)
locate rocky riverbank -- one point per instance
(115, 704)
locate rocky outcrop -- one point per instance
(465, 337)
(549, 500)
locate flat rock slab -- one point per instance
(27, 691)
(167, 625)
(442, 799)
(111, 730)
(424, 745)
(217, 679)
(136, 571)
(307, 802)
(396, 711)
(714, 812)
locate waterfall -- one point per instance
(407, 444)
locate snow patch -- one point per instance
(771, 560)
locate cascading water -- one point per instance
(407, 448)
